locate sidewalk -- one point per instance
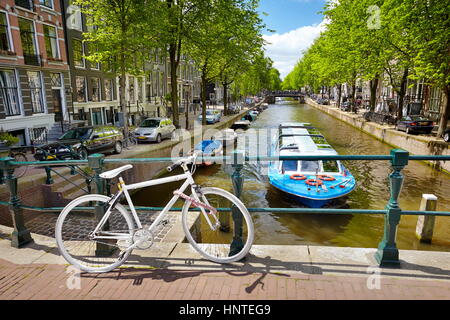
(175, 272)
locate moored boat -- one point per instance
(241, 124)
(208, 148)
(314, 183)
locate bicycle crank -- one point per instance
(143, 239)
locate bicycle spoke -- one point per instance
(229, 233)
(81, 247)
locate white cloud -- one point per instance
(285, 49)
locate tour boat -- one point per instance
(313, 183)
(208, 148)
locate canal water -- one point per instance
(372, 191)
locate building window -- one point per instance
(74, 18)
(140, 90)
(161, 84)
(28, 43)
(78, 53)
(4, 34)
(55, 79)
(109, 89)
(27, 4)
(37, 101)
(81, 89)
(131, 90)
(51, 42)
(46, 3)
(92, 49)
(435, 98)
(95, 89)
(9, 93)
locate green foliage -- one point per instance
(8, 139)
(368, 38)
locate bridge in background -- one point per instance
(271, 95)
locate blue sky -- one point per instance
(297, 23)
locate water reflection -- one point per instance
(372, 191)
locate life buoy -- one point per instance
(314, 182)
(326, 178)
(298, 176)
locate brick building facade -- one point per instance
(34, 72)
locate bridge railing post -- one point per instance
(387, 254)
(20, 235)
(96, 163)
(238, 183)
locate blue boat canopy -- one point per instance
(208, 146)
(313, 182)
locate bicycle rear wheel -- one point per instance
(84, 250)
(231, 235)
(21, 170)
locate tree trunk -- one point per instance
(174, 84)
(401, 94)
(339, 96)
(353, 105)
(204, 88)
(445, 112)
(373, 93)
(187, 111)
(123, 105)
(225, 98)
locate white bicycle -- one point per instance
(96, 233)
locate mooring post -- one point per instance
(95, 162)
(49, 179)
(20, 235)
(238, 183)
(387, 254)
(425, 224)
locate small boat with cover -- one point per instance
(208, 148)
(314, 183)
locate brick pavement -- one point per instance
(46, 281)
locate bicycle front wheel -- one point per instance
(22, 170)
(223, 237)
(101, 251)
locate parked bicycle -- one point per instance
(19, 154)
(101, 246)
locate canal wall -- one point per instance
(33, 191)
(414, 144)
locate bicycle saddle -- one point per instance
(115, 172)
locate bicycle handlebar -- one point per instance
(188, 160)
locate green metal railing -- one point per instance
(387, 253)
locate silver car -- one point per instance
(154, 130)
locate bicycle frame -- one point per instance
(124, 189)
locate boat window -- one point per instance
(289, 165)
(309, 166)
(330, 166)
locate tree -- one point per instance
(122, 34)
(428, 22)
(178, 21)
(224, 40)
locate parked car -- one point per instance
(154, 130)
(446, 135)
(78, 143)
(415, 124)
(234, 109)
(212, 116)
